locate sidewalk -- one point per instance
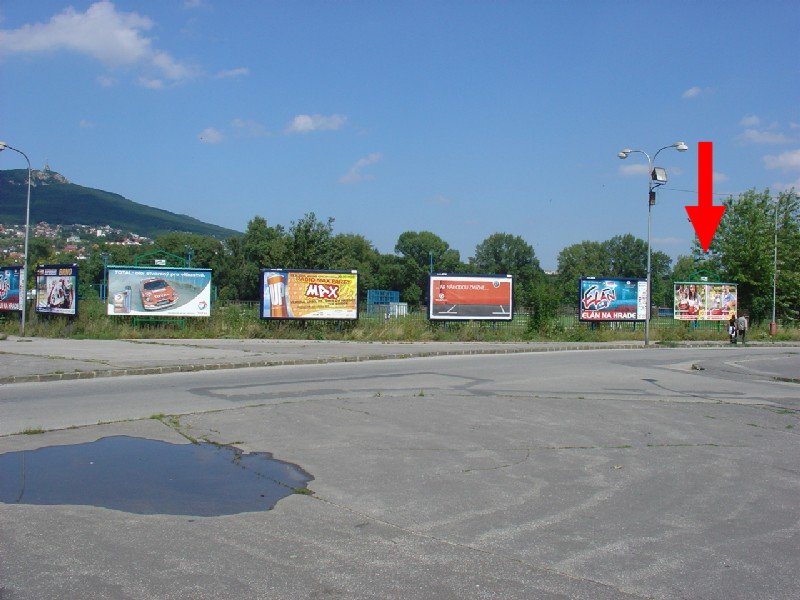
(45, 359)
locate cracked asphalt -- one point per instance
(456, 471)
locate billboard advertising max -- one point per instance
(57, 289)
(302, 294)
(470, 297)
(159, 291)
(9, 288)
(613, 299)
(704, 301)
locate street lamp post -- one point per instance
(24, 278)
(656, 177)
(773, 326)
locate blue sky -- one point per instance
(462, 118)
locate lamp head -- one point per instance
(680, 146)
(3, 146)
(659, 175)
(624, 153)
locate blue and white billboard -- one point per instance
(613, 299)
(159, 291)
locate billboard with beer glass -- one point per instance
(307, 294)
(704, 301)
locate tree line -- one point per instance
(742, 252)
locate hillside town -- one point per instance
(70, 241)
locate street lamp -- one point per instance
(24, 278)
(656, 176)
(773, 326)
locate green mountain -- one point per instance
(59, 202)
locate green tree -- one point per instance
(586, 259)
(353, 251)
(420, 249)
(205, 249)
(503, 253)
(743, 247)
(310, 243)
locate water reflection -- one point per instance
(145, 476)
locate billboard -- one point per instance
(159, 291)
(57, 289)
(612, 299)
(9, 288)
(470, 297)
(704, 301)
(304, 294)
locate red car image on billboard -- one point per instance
(470, 297)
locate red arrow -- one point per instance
(705, 216)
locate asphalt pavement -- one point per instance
(464, 470)
(58, 359)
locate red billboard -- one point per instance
(470, 297)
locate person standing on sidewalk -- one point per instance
(732, 328)
(741, 327)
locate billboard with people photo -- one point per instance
(612, 299)
(470, 297)
(57, 289)
(704, 301)
(306, 294)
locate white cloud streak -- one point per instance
(757, 136)
(112, 37)
(230, 73)
(309, 123)
(694, 92)
(209, 135)
(355, 175)
(637, 169)
(788, 161)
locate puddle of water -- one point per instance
(146, 477)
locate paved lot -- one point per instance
(626, 473)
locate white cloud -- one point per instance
(670, 241)
(636, 169)
(112, 37)
(718, 177)
(152, 84)
(105, 81)
(788, 161)
(694, 92)
(750, 121)
(785, 187)
(354, 175)
(248, 128)
(757, 136)
(441, 199)
(238, 72)
(309, 123)
(209, 135)
(84, 124)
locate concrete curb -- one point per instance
(193, 367)
(186, 368)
